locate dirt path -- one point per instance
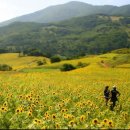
(105, 65)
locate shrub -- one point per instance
(81, 65)
(114, 58)
(33, 52)
(67, 67)
(5, 67)
(56, 58)
(41, 62)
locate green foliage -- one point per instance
(92, 34)
(33, 52)
(56, 58)
(81, 64)
(125, 20)
(3, 51)
(119, 60)
(122, 51)
(67, 67)
(39, 63)
(4, 67)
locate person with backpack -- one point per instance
(107, 94)
(114, 96)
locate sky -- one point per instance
(13, 8)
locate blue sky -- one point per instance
(13, 8)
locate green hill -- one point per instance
(18, 62)
(108, 60)
(29, 63)
(121, 58)
(92, 34)
(68, 11)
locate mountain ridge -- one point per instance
(92, 34)
(69, 10)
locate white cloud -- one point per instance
(6, 12)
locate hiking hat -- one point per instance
(114, 87)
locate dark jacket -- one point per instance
(114, 94)
(106, 93)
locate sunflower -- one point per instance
(95, 121)
(46, 113)
(18, 110)
(31, 99)
(53, 116)
(20, 96)
(50, 107)
(87, 113)
(37, 102)
(5, 104)
(35, 121)
(71, 123)
(110, 123)
(53, 93)
(64, 110)
(65, 116)
(70, 116)
(32, 105)
(47, 117)
(82, 118)
(105, 121)
(30, 113)
(102, 124)
(3, 109)
(39, 122)
(57, 126)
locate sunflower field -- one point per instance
(64, 100)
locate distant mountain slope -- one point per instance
(67, 11)
(92, 34)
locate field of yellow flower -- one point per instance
(65, 100)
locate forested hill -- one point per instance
(68, 11)
(92, 34)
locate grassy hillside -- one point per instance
(29, 63)
(17, 62)
(108, 60)
(119, 60)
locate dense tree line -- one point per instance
(77, 37)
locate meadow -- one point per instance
(46, 98)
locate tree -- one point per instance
(56, 58)
(4, 67)
(67, 67)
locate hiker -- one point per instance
(114, 94)
(107, 94)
